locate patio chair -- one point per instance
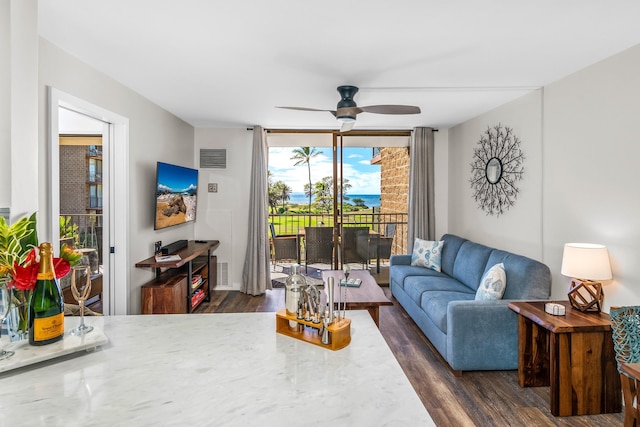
(349, 248)
(318, 245)
(625, 330)
(283, 247)
(376, 246)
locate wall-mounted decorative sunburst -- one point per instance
(495, 169)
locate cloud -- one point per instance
(364, 179)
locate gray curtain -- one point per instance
(256, 277)
(421, 192)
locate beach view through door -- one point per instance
(354, 184)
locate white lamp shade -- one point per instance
(586, 261)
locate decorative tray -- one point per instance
(351, 283)
(340, 330)
(26, 354)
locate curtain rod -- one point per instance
(355, 133)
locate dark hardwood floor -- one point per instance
(489, 398)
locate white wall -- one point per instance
(580, 183)
(592, 150)
(5, 103)
(519, 229)
(224, 215)
(154, 135)
(18, 105)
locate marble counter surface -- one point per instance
(214, 370)
(25, 354)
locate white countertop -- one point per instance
(213, 370)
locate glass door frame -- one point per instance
(337, 147)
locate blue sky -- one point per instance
(363, 177)
(178, 178)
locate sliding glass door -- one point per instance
(336, 181)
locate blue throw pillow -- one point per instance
(427, 253)
(493, 284)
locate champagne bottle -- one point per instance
(46, 310)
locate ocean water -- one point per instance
(371, 200)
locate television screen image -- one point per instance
(176, 193)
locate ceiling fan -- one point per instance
(347, 109)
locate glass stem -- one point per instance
(81, 314)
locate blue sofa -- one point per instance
(470, 335)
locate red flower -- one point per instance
(32, 257)
(24, 278)
(61, 267)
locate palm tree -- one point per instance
(273, 195)
(327, 185)
(283, 192)
(304, 155)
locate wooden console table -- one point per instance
(173, 290)
(573, 354)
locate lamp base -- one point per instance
(586, 295)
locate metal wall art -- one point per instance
(495, 169)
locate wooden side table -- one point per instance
(573, 354)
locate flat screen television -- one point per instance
(176, 195)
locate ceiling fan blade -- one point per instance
(391, 109)
(306, 109)
(348, 111)
(347, 126)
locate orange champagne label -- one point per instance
(46, 328)
(46, 276)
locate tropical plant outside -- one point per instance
(303, 155)
(320, 194)
(69, 229)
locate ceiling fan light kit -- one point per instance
(347, 109)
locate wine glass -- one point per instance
(347, 271)
(5, 306)
(80, 289)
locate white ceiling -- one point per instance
(222, 63)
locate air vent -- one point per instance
(213, 158)
(223, 274)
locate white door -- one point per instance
(114, 130)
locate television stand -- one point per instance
(180, 286)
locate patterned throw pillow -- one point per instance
(493, 284)
(427, 253)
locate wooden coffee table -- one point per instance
(368, 296)
(573, 354)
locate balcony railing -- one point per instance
(290, 224)
(85, 229)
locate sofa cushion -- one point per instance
(427, 253)
(526, 278)
(470, 263)
(436, 303)
(415, 286)
(399, 273)
(493, 284)
(450, 249)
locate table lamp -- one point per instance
(586, 264)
